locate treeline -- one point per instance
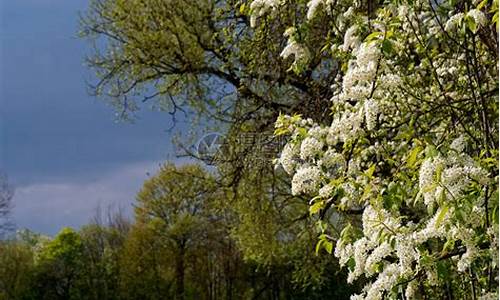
(183, 243)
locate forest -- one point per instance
(359, 157)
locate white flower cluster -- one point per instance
(368, 253)
(289, 157)
(333, 163)
(361, 248)
(261, 7)
(433, 228)
(306, 180)
(351, 196)
(426, 178)
(466, 235)
(449, 177)
(489, 296)
(385, 281)
(453, 22)
(343, 251)
(371, 111)
(376, 220)
(326, 159)
(345, 127)
(351, 39)
(478, 16)
(314, 5)
(493, 236)
(376, 257)
(310, 147)
(299, 51)
(326, 191)
(407, 254)
(358, 81)
(458, 144)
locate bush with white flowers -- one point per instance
(408, 161)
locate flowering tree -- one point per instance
(407, 165)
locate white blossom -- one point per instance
(407, 254)
(358, 80)
(385, 281)
(357, 297)
(466, 259)
(390, 81)
(351, 40)
(403, 11)
(326, 191)
(411, 289)
(351, 195)
(493, 235)
(314, 5)
(377, 220)
(432, 277)
(458, 144)
(306, 180)
(299, 51)
(349, 12)
(361, 248)
(318, 132)
(489, 296)
(345, 127)
(371, 111)
(310, 147)
(453, 21)
(333, 162)
(434, 228)
(457, 171)
(427, 180)
(366, 94)
(260, 7)
(376, 256)
(343, 252)
(478, 17)
(289, 157)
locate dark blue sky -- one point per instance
(60, 147)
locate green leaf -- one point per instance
(372, 36)
(431, 151)
(242, 8)
(370, 171)
(351, 263)
(442, 197)
(325, 47)
(367, 190)
(417, 197)
(302, 132)
(318, 245)
(441, 215)
(449, 245)
(412, 158)
(471, 24)
(387, 46)
(442, 270)
(328, 246)
(494, 19)
(280, 131)
(494, 214)
(315, 208)
(482, 4)
(439, 172)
